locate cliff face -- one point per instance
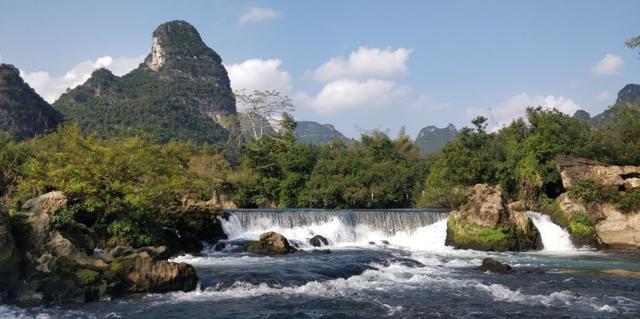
(611, 225)
(23, 113)
(432, 139)
(181, 91)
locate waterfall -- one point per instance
(554, 238)
(338, 226)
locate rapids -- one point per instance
(383, 263)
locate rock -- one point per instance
(43, 239)
(432, 139)
(219, 246)
(490, 264)
(139, 273)
(631, 183)
(318, 241)
(270, 243)
(486, 223)
(372, 243)
(57, 270)
(321, 251)
(579, 169)
(608, 226)
(385, 242)
(618, 230)
(9, 254)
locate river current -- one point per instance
(383, 264)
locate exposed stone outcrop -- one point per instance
(609, 226)
(59, 265)
(486, 223)
(579, 169)
(270, 243)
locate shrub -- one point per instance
(593, 193)
(581, 229)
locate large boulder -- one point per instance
(9, 255)
(485, 222)
(270, 243)
(599, 224)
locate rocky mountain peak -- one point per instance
(177, 46)
(8, 72)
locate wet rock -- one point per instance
(270, 243)
(318, 241)
(219, 246)
(385, 242)
(486, 223)
(321, 251)
(139, 272)
(372, 243)
(492, 265)
(407, 262)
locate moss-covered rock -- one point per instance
(486, 223)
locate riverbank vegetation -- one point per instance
(130, 190)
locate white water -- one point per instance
(554, 238)
(416, 230)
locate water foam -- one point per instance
(414, 229)
(554, 238)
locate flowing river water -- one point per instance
(383, 263)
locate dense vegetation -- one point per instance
(520, 157)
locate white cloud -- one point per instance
(258, 74)
(609, 65)
(365, 63)
(603, 96)
(342, 95)
(516, 106)
(426, 103)
(257, 14)
(50, 87)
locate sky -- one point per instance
(359, 65)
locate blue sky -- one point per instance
(356, 64)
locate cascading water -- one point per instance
(554, 238)
(341, 226)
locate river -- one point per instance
(383, 263)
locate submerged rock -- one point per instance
(270, 243)
(490, 264)
(318, 241)
(486, 223)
